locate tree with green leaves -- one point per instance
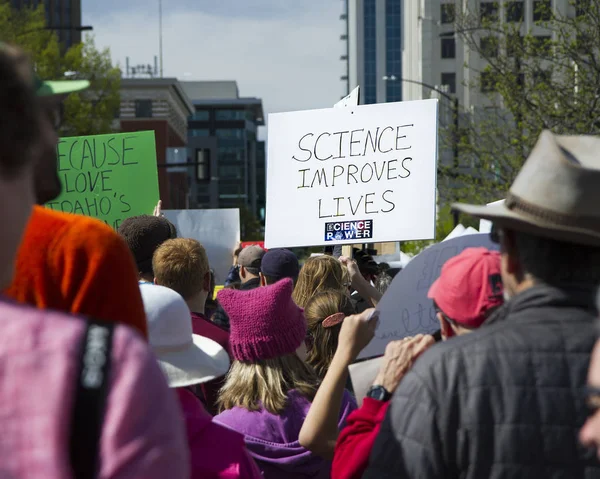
(532, 79)
(87, 113)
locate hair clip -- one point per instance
(333, 320)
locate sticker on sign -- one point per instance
(347, 166)
(354, 230)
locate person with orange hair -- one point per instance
(182, 265)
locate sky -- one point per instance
(286, 52)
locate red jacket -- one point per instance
(356, 440)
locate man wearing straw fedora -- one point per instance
(508, 400)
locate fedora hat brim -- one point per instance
(503, 217)
(202, 361)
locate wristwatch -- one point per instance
(379, 393)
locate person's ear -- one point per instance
(155, 281)
(446, 328)
(242, 272)
(263, 280)
(206, 282)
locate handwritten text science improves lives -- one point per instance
(110, 177)
(329, 148)
(360, 174)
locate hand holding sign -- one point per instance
(158, 209)
(357, 331)
(351, 266)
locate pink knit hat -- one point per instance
(265, 322)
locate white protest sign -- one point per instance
(362, 375)
(363, 174)
(456, 232)
(217, 230)
(349, 100)
(405, 310)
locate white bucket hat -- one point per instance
(185, 358)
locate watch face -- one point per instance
(379, 393)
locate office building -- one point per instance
(435, 62)
(422, 34)
(433, 54)
(222, 140)
(161, 105)
(64, 16)
(374, 48)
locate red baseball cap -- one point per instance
(469, 285)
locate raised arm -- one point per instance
(365, 289)
(320, 430)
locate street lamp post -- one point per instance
(160, 36)
(456, 119)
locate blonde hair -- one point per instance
(181, 264)
(319, 273)
(324, 341)
(266, 383)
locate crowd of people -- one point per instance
(117, 361)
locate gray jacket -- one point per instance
(502, 402)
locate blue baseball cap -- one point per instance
(279, 264)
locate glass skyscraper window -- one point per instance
(57, 15)
(542, 10)
(370, 49)
(449, 79)
(224, 115)
(393, 49)
(200, 115)
(488, 11)
(489, 46)
(195, 132)
(231, 154)
(143, 108)
(230, 171)
(230, 133)
(515, 11)
(448, 12)
(448, 48)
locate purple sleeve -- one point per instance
(348, 405)
(144, 433)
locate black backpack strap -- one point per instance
(91, 390)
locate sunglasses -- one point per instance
(592, 398)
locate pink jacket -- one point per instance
(216, 452)
(142, 436)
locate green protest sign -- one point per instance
(109, 177)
